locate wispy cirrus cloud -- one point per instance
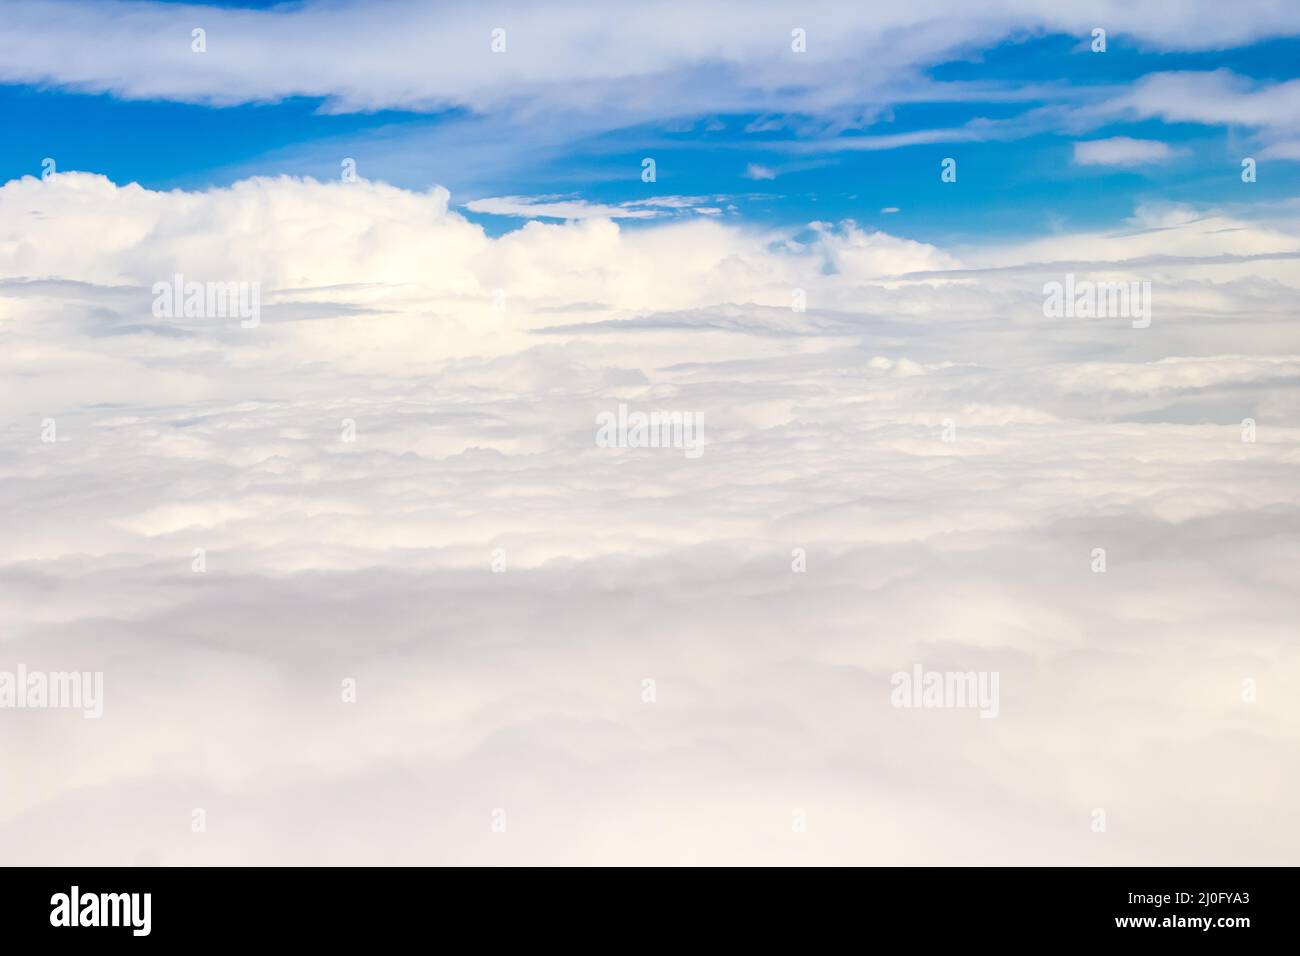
(1214, 98)
(572, 208)
(628, 60)
(544, 207)
(1271, 110)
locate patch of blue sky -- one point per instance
(1009, 115)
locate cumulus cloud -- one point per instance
(473, 369)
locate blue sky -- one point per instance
(769, 167)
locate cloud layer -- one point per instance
(473, 369)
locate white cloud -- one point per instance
(1218, 97)
(757, 171)
(626, 63)
(567, 208)
(522, 690)
(1121, 151)
(1284, 150)
(548, 208)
